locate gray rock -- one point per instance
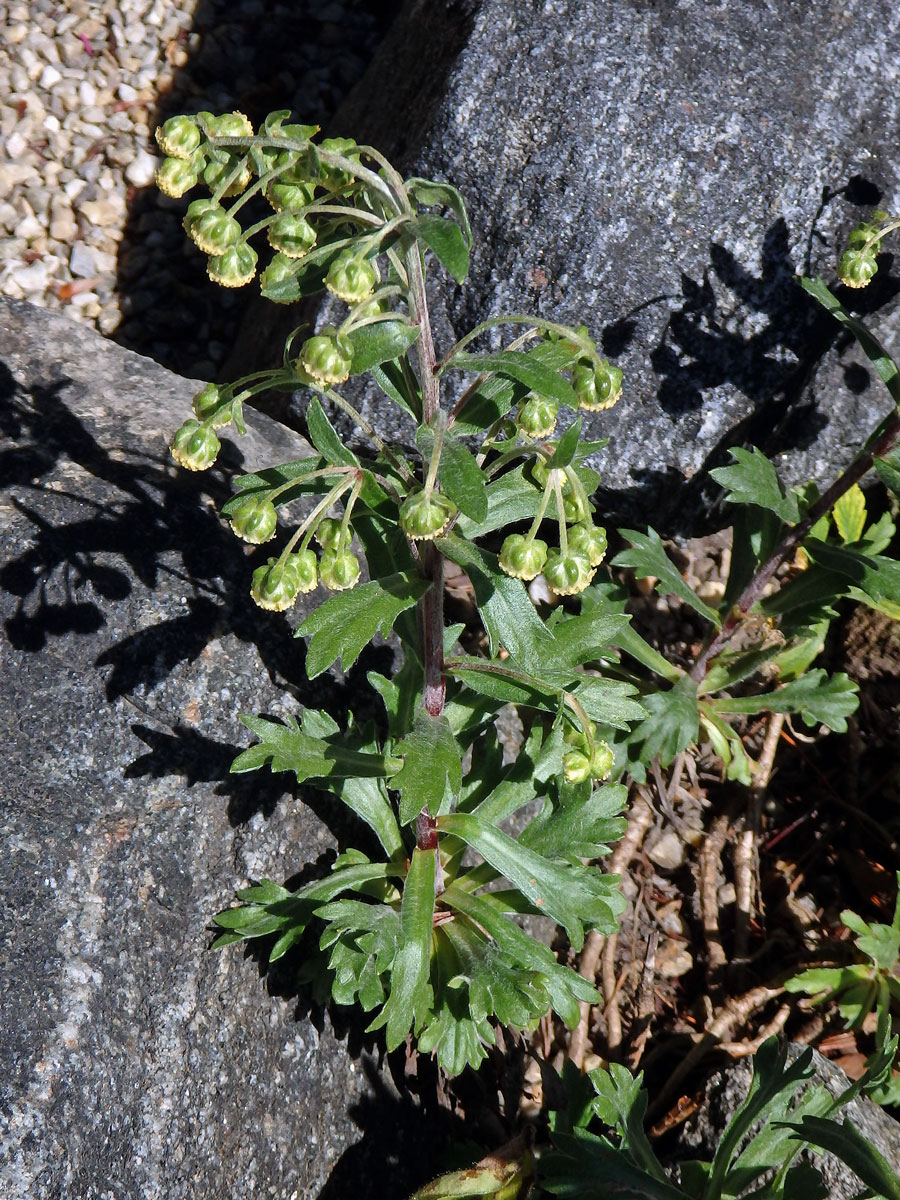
(660, 171)
(727, 1089)
(133, 1062)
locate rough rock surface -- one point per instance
(727, 1089)
(133, 1063)
(660, 171)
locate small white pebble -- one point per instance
(141, 170)
(49, 77)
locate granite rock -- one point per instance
(133, 1062)
(728, 1088)
(660, 172)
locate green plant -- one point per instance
(423, 931)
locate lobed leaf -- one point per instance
(648, 559)
(754, 480)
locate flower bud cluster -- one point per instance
(277, 585)
(583, 761)
(857, 266)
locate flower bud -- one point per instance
(326, 357)
(347, 148)
(277, 585)
(576, 766)
(255, 520)
(233, 124)
(287, 197)
(215, 173)
(213, 230)
(537, 416)
(339, 571)
(280, 268)
(178, 137)
(857, 268)
(195, 446)
(235, 267)
(176, 176)
(521, 558)
(567, 574)
(424, 517)
(291, 234)
(574, 509)
(350, 278)
(589, 541)
(328, 533)
(602, 760)
(598, 388)
(205, 403)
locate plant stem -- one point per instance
(425, 344)
(878, 445)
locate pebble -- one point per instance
(667, 851)
(78, 105)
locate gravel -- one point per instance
(83, 84)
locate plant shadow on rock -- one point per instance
(104, 528)
(766, 343)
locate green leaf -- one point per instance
(868, 342)
(435, 192)
(648, 558)
(846, 1144)
(459, 474)
(446, 240)
(622, 1103)
(288, 748)
(506, 610)
(379, 343)
(524, 368)
(368, 798)
(504, 683)
(672, 726)
(609, 701)
(262, 482)
(566, 446)
(816, 697)
(324, 437)
(539, 761)
(587, 637)
(411, 995)
(850, 514)
(347, 621)
(396, 386)
(572, 896)
(431, 760)
(875, 580)
(754, 480)
(888, 468)
(582, 825)
(583, 1166)
(512, 497)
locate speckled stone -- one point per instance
(133, 1062)
(660, 171)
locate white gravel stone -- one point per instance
(141, 171)
(49, 77)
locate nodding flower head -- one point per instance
(255, 520)
(597, 388)
(339, 570)
(291, 234)
(567, 574)
(521, 557)
(537, 416)
(177, 176)
(195, 446)
(351, 278)
(857, 268)
(235, 267)
(424, 517)
(211, 228)
(590, 541)
(277, 585)
(178, 137)
(326, 357)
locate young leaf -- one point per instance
(521, 367)
(446, 240)
(324, 437)
(609, 701)
(581, 826)
(649, 559)
(754, 480)
(379, 343)
(816, 697)
(583, 1165)
(411, 994)
(434, 192)
(347, 621)
(430, 760)
(459, 474)
(875, 579)
(850, 514)
(566, 446)
(622, 1103)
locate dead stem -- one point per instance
(710, 866)
(646, 1003)
(640, 819)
